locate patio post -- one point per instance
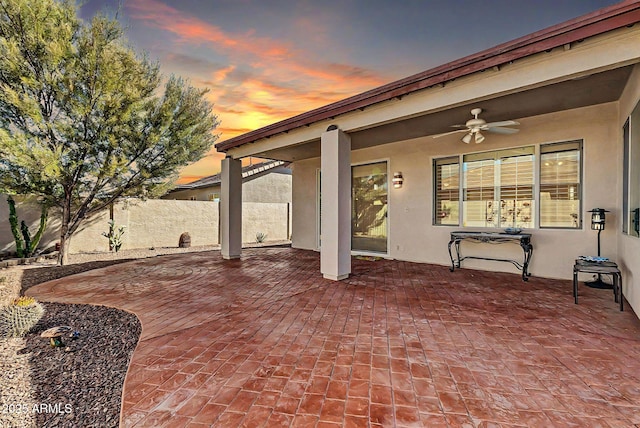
(335, 164)
(231, 208)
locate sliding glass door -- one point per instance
(369, 208)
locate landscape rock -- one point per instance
(185, 240)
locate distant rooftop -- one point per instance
(248, 171)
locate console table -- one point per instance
(523, 239)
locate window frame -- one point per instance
(449, 160)
(499, 159)
(536, 185)
(580, 148)
(631, 173)
(626, 172)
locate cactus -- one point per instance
(25, 244)
(13, 221)
(114, 235)
(19, 317)
(27, 237)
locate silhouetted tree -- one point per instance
(83, 119)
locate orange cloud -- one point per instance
(192, 29)
(259, 50)
(264, 81)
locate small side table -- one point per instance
(602, 268)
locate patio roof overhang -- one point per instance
(582, 62)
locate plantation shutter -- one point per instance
(560, 186)
(446, 191)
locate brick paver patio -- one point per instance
(265, 341)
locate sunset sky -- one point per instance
(267, 60)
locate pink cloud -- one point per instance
(265, 80)
(260, 52)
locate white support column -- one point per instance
(231, 208)
(335, 251)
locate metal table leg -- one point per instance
(575, 285)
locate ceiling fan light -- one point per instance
(466, 138)
(479, 138)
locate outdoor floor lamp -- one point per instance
(598, 223)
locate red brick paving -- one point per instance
(265, 341)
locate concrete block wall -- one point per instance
(150, 223)
(159, 223)
(270, 219)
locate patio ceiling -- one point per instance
(593, 89)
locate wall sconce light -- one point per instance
(397, 180)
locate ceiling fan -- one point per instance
(475, 125)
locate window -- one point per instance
(498, 188)
(560, 189)
(213, 197)
(447, 191)
(631, 174)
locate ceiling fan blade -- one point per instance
(479, 138)
(501, 130)
(502, 123)
(448, 133)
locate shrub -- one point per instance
(260, 237)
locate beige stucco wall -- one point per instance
(28, 210)
(272, 187)
(153, 223)
(629, 246)
(270, 219)
(159, 223)
(411, 233)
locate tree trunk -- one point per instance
(63, 257)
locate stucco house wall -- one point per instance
(412, 236)
(629, 246)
